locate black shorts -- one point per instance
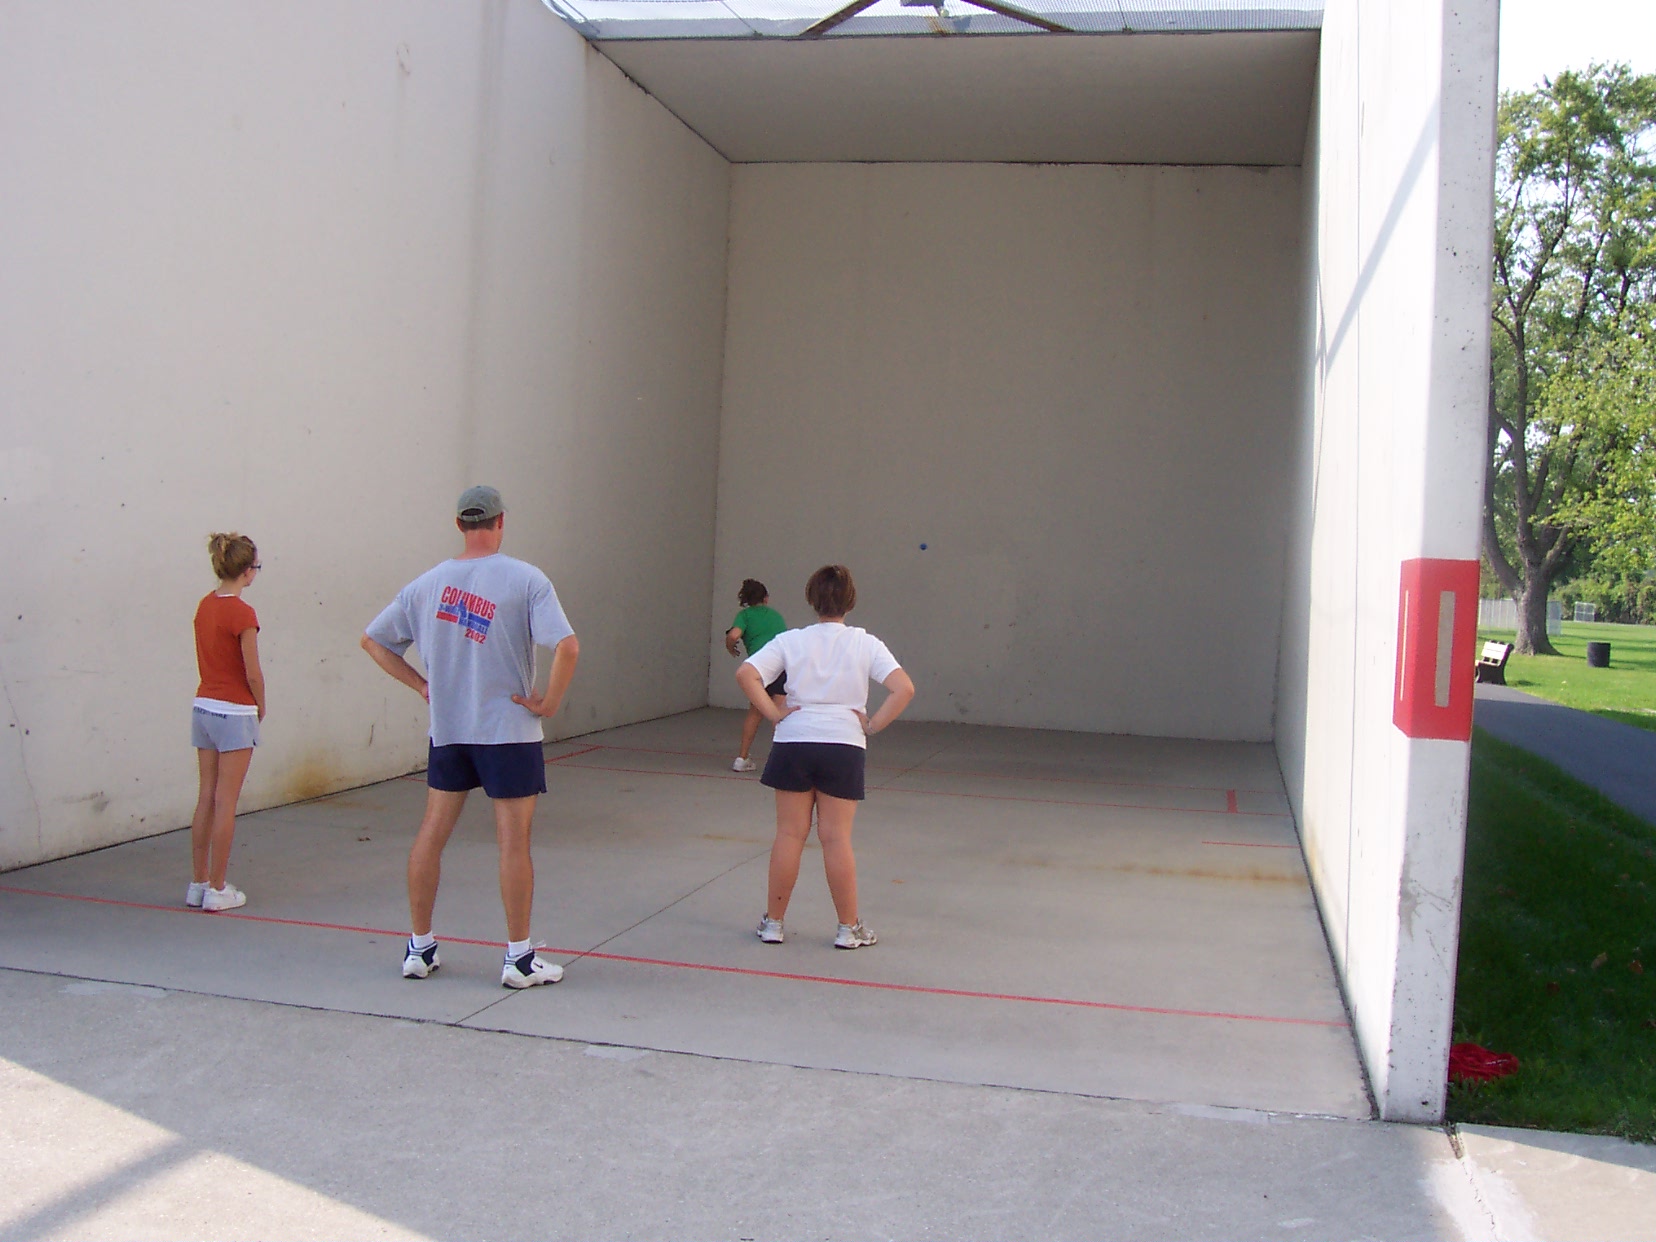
(779, 686)
(512, 770)
(833, 768)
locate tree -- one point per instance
(1605, 402)
(1575, 273)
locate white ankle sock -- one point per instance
(517, 948)
(422, 943)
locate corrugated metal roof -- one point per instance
(781, 19)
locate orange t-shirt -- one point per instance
(220, 621)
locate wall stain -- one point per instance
(311, 778)
(23, 771)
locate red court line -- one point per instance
(913, 988)
(1252, 845)
(222, 914)
(418, 776)
(950, 793)
(650, 750)
(700, 776)
(1108, 806)
(999, 996)
(1064, 780)
(586, 751)
(990, 776)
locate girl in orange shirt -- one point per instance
(224, 726)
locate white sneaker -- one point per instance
(854, 936)
(226, 898)
(418, 963)
(194, 894)
(743, 765)
(528, 971)
(770, 930)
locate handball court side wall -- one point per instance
(306, 271)
(1390, 453)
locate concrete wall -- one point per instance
(306, 270)
(1073, 384)
(1398, 178)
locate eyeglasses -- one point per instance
(257, 565)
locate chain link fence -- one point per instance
(1502, 614)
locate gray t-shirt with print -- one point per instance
(477, 623)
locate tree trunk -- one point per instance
(1532, 616)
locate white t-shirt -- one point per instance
(829, 666)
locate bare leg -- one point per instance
(513, 819)
(834, 817)
(232, 771)
(750, 729)
(425, 857)
(793, 826)
(750, 723)
(201, 824)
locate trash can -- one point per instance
(1598, 655)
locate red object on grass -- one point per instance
(1473, 1063)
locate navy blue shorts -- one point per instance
(833, 768)
(512, 770)
(779, 686)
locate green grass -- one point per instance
(1558, 951)
(1626, 691)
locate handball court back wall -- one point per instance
(1043, 412)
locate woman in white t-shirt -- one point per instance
(817, 756)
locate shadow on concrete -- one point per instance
(142, 1113)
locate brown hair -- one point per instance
(232, 555)
(488, 523)
(831, 592)
(752, 592)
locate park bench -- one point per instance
(1492, 663)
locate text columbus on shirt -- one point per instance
(471, 612)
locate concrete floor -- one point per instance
(141, 1113)
(1121, 930)
(1101, 916)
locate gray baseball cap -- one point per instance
(479, 503)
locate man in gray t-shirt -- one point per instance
(477, 620)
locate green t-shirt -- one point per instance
(759, 625)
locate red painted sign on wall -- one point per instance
(1437, 628)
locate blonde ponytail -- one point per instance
(232, 555)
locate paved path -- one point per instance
(1616, 759)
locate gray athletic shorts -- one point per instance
(211, 731)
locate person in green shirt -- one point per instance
(755, 625)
